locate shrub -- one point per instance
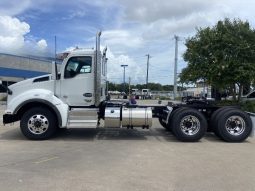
(245, 105)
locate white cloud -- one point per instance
(151, 10)
(12, 33)
(121, 37)
(13, 7)
(15, 39)
(75, 14)
(165, 28)
(134, 70)
(42, 44)
(70, 49)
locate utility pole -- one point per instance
(175, 65)
(147, 76)
(124, 73)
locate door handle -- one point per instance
(87, 94)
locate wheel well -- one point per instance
(30, 105)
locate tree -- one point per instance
(223, 56)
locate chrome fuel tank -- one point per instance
(128, 117)
(112, 117)
(136, 117)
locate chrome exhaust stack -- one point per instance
(97, 71)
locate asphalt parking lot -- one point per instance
(121, 159)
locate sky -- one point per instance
(131, 29)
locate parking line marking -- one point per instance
(45, 160)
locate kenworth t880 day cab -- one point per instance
(76, 97)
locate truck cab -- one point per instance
(146, 94)
(79, 84)
(135, 91)
(76, 85)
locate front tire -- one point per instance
(38, 124)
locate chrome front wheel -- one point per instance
(38, 124)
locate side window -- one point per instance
(78, 65)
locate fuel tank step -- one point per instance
(73, 123)
(82, 118)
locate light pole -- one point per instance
(124, 73)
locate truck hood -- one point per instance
(31, 81)
(40, 82)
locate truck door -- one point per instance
(77, 83)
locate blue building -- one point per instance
(16, 68)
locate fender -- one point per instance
(45, 102)
(43, 96)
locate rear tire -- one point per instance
(215, 118)
(234, 125)
(172, 116)
(189, 125)
(38, 124)
(162, 123)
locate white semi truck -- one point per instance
(76, 97)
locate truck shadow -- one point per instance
(157, 133)
(109, 134)
(90, 134)
(12, 134)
